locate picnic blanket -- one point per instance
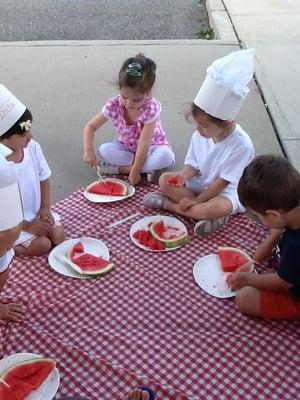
(148, 322)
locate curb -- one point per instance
(220, 22)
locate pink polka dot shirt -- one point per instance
(129, 134)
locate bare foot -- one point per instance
(138, 394)
(12, 312)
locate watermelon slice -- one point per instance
(233, 258)
(173, 181)
(78, 248)
(89, 264)
(19, 381)
(171, 236)
(108, 188)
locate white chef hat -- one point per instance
(11, 213)
(225, 86)
(11, 109)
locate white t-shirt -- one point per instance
(31, 171)
(226, 159)
(6, 260)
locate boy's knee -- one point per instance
(247, 300)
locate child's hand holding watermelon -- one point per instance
(176, 180)
(237, 280)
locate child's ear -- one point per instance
(273, 213)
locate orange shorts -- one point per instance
(279, 305)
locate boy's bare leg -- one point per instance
(11, 311)
(37, 247)
(248, 301)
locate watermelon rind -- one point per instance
(95, 273)
(169, 243)
(124, 186)
(235, 249)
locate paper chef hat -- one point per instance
(11, 109)
(11, 213)
(225, 86)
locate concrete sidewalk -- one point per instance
(272, 27)
(66, 83)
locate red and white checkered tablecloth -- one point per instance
(147, 322)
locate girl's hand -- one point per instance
(237, 280)
(45, 214)
(186, 203)
(89, 158)
(38, 227)
(176, 180)
(134, 177)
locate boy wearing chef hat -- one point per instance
(11, 217)
(206, 187)
(41, 228)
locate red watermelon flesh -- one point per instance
(144, 237)
(78, 248)
(91, 263)
(108, 188)
(232, 258)
(25, 377)
(173, 181)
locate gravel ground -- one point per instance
(25, 20)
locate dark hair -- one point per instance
(194, 110)
(16, 128)
(137, 72)
(269, 182)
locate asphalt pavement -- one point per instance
(30, 20)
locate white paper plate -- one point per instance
(210, 277)
(144, 222)
(48, 388)
(91, 245)
(97, 198)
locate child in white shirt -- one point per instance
(41, 228)
(206, 187)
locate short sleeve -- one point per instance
(109, 110)
(43, 167)
(191, 157)
(151, 112)
(233, 168)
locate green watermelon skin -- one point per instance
(108, 188)
(158, 228)
(25, 377)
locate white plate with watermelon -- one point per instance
(108, 191)
(211, 271)
(91, 246)
(159, 233)
(36, 373)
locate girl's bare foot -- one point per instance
(138, 394)
(12, 312)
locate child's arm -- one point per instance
(141, 153)
(265, 281)
(90, 128)
(41, 225)
(265, 248)
(44, 211)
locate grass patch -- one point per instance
(207, 34)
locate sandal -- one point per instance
(155, 200)
(205, 227)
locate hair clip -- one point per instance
(134, 69)
(25, 125)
